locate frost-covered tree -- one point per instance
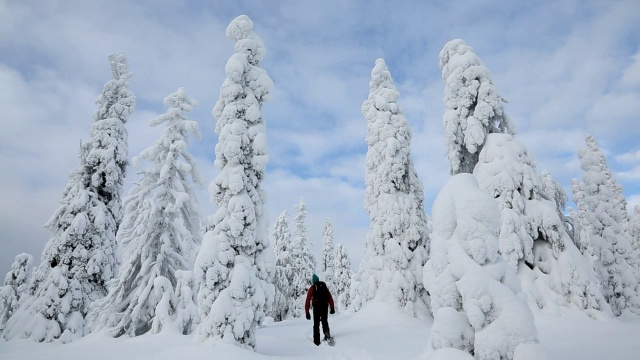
(108, 152)
(283, 273)
(75, 266)
(473, 107)
(328, 254)
(532, 236)
(634, 230)
(553, 188)
(16, 284)
(342, 277)
(235, 263)
(397, 244)
(476, 297)
(603, 214)
(159, 233)
(303, 263)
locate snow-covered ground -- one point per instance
(378, 331)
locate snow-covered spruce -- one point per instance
(473, 107)
(328, 253)
(107, 156)
(476, 298)
(550, 186)
(235, 263)
(342, 277)
(159, 233)
(303, 263)
(76, 264)
(602, 212)
(532, 236)
(79, 259)
(16, 284)
(397, 244)
(283, 277)
(634, 231)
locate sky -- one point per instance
(568, 68)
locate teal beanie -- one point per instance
(314, 279)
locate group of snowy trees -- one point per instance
(295, 265)
(584, 261)
(500, 243)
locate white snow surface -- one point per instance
(378, 331)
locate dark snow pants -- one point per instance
(320, 314)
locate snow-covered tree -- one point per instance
(187, 314)
(235, 263)
(108, 152)
(476, 296)
(76, 264)
(532, 236)
(473, 107)
(553, 188)
(397, 244)
(602, 211)
(302, 261)
(283, 273)
(159, 233)
(16, 284)
(634, 230)
(328, 254)
(342, 277)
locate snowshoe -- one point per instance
(329, 340)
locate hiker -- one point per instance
(320, 298)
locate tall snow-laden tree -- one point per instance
(76, 264)
(602, 211)
(159, 233)
(476, 296)
(532, 236)
(328, 254)
(342, 277)
(303, 263)
(16, 284)
(473, 107)
(397, 244)
(235, 263)
(108, 151)
(283, 273)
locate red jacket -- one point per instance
(310, 296)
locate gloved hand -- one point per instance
(333, 311)
(308, 316)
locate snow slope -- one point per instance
(378, 331)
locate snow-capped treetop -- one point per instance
(327, 247)
(473, 107)
(282, 238)
(20, 273)
(119, 66)
(248, 42)
(552, 187)
(108, 149)
(300, 219)
(594, 165)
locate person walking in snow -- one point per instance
(320, 299)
